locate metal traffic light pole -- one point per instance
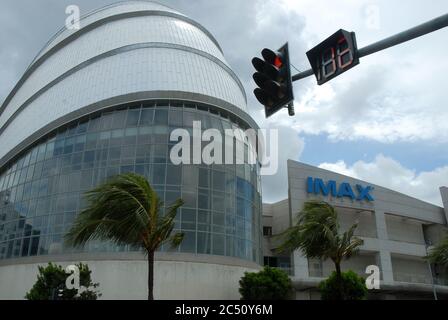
(418, 31)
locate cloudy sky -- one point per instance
(385, 121)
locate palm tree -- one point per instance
(317, 235)
(439, 254)
(126, 211)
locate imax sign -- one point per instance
(317, 186)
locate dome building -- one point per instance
(103, 100)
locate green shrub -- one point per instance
(350, 287)
(50, 284)
(267, 284)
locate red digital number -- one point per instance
(344, 50)
(328, 58)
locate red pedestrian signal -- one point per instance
(273, 78)
(334, 56)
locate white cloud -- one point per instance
(392, 96)
(387, 172)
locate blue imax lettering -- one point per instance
(317, 186)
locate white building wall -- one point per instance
(150, 52)
(392, 227)
(128, 279)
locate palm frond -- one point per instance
(124, 210)
(439, 254)
(316, 233)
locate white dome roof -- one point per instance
(123, 52)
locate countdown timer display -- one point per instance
(334, 56)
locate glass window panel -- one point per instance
(204, 217)
(71, 203)
(146, 117)
(158, 176)
(189, 242)
(204, 242)
(218, 201)
(114, 153)
(216, 123)
(219, 180)
(82, 127)
(205, 121)
(50, 150)
(25, 247)
(22, 175)
(64, 182)
(112, 171)
(218, 219)
(218, 244)
(34, 246)
(175, 117)
(69, 218)
(188, 215)
(80, 143)
(106, 121)
(173, 174)
(189, 199)
(86, 179)
(204, 179)
(128, 152)
(118, 119)
(105, 135)
(161, 116)
(230, 246)
(160, 152)
(74, 181)
(126, 169)
(77, 161)
(91, 141)
(130, 136)
(89, 157)
(240, 229)
(41, 152)
(143, 154)
(171, 196)
(140, 169)
(133, 118)
(204, 201)
(190, 177)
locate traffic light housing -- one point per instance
(273, 78)
(334, 56)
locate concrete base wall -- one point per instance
(127, 279)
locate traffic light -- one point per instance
(334, 56)
(273, 78)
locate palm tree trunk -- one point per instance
(150, 275)
(339, 278)
(338, 269)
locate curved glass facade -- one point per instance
(41, 192)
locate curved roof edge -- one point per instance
(120, 3)
(113, 52)
(38, 60)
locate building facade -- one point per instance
(397, 231)
(101, 101)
